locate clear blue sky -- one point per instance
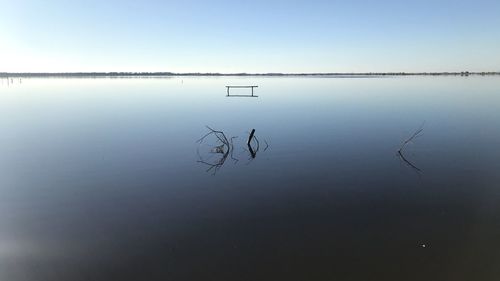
(250, 36)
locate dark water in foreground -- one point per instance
(99, 180)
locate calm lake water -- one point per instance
(101, 179)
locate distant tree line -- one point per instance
(153, 74)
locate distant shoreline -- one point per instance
(173, 74)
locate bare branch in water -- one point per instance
(415, 135)
(219, 134)
(224, 149)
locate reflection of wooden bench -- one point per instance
(251, 87)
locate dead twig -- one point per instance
(219, 134)
(225, 149)
(415, 135)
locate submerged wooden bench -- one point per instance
(251, 87)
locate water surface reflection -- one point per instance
(99, 180)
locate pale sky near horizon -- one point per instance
(249, 36)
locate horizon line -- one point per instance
(159, 73)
